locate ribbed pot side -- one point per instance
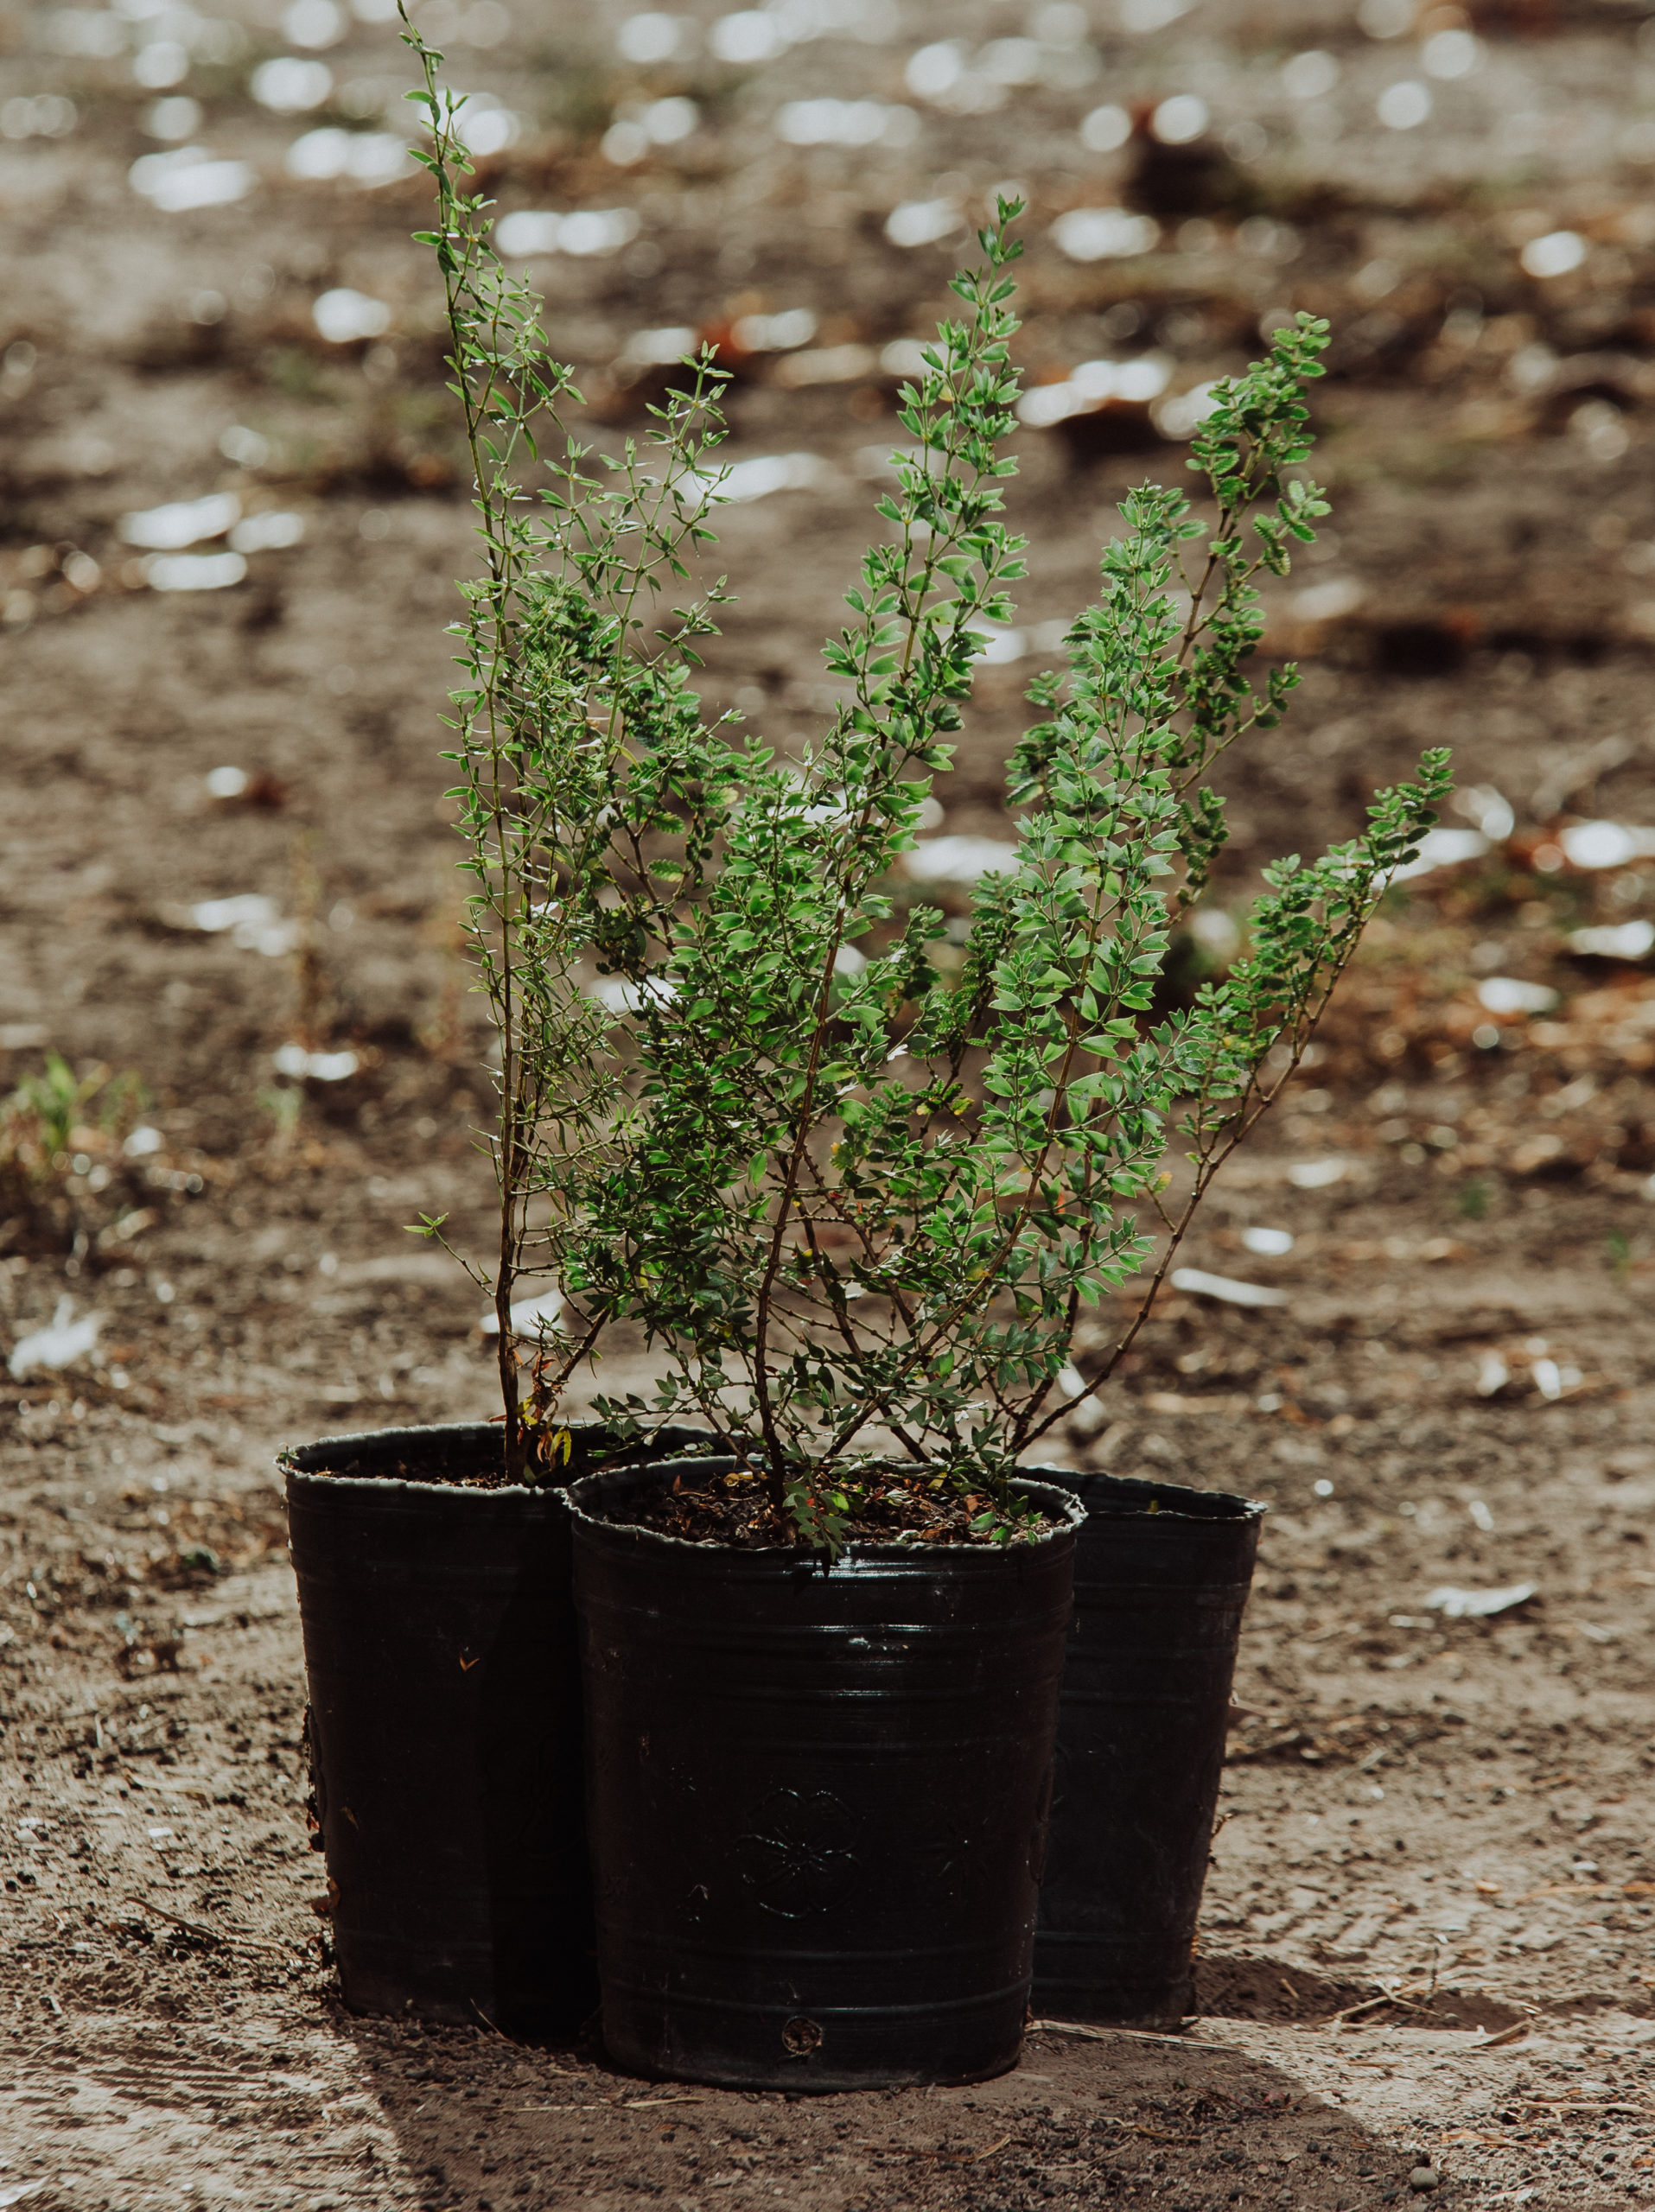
(818, 1801)
(445, 1729)
(1161, 1576)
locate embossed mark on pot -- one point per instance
(795, 1855)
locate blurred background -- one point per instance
(234, 503)
(240, 1053)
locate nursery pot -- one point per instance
(444, 1724)
(818, 1798)
(1160, 1579)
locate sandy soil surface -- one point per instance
(1426, 1939)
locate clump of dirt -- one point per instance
(887, 1507)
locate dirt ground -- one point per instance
(1426, 1941)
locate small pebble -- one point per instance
(1424, 2177)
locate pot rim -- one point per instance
(288, 1461)
(1065, 1509)
(1165, 1493)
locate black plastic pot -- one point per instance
(445, 1726)
(1160, 1579)
(817, 1800)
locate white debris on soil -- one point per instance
(1093, 385)
(1270, 1243)
(846, 122)
(62, 1341)
(1441, 848)
(1181, 414)
(252, 922)
(588, 232)
(365, 157)
(531, 1317)
(775, 334)
(1000, 644)
(287, 85)
(923, 222)
(1197, 1281)
(959, 860)
(319, 1067)
(1329, 602)
(272, 532)
(1316, 1174)
(1457, 1604)
(1606, 844)
(188, 177)
(826, 364)
(193, 571)
(645, 348)
(181, 522)
(756, 479)
(1104, 233)
(1619, 941)
(344, 317)
(1511, 994)
(618, 995)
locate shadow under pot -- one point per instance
(444, 1723)
(818, 1799)
(1161, 1576)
